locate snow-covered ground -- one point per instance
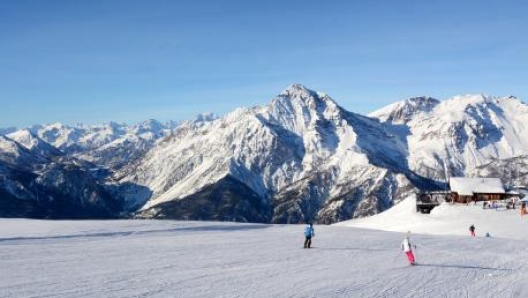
(138, 258)
(448, 219)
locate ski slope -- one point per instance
(139, 258)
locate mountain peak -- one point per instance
(298, 97)
(403, 111)
(296, 86)
(470, 101)
(116, 125)
(298, 109)
(34, 143)
(7, 130)
(297, 90)
(425, 101)
(22, 133)
(205, 117)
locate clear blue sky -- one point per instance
(127, 61)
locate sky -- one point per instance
(93, 62)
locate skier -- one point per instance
(308, 234)
(406, 247)
(472, 230)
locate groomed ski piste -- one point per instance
(359, 258)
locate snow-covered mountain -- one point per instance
(110, 145)
(300, 158)
(38, 181)
(462, 134)
(33, 143)
(15, 155)
(58, 171)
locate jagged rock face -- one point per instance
(37, 180)
(513, 171)
(70, 191)
(15, 194)
(404, 111)
(118, 153)
(302, 158)
(464, 133)
(226, 200)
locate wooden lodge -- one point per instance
(465, 190)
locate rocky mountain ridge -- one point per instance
(300, 158)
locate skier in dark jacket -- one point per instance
(308, 234)
(472, 230)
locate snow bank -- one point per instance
(447, 219)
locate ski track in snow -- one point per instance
(209, 259)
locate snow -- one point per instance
(7, 145)
(467, 186)
(33, 143)
(139, 258)
(447, 219)
(12, 153)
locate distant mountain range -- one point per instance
(300, 158)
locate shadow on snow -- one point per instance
(229, 228)
(463, 267)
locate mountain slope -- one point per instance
(38, 182)
(462, 134)
(403, 111)
(34, 143)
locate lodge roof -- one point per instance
(469, 186)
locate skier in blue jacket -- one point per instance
(308, 234)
